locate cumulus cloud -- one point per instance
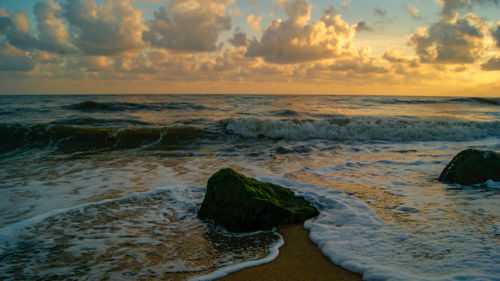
(189, 25)
(239, 39)
(113, 28)
(496, 35)
(254, 21)
(5, 22)
(96, 63)
(12, 63)
(295, 40)
(457, 40)
(18, 32)
(450, 7)
(12, 59)
(52, 33)
(358, 66)
(491, 64)
(396, 57)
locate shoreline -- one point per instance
(299, 259)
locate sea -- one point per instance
(107, 187)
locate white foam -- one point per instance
(274, 252)
(179, 203)
(363, 128)
(492, 184)
(354, 237)
(10, 234)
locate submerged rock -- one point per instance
(244, 204)
(472, 166)
(283, 150)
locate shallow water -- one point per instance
(109, 189)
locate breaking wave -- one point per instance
(363, 128)
(88, 133)
(74, 138)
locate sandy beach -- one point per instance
(299, 259)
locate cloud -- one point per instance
(254, 21)
(299, 11)
(413, 12)
(346, 4)
(379, 12)
(189, 25)
(396, 57)
(496, 35)
(239, 39)
(5, 22)
(110, 29)
(491, 64)
(458, 40)
(11, 59)
(295, 41)
(95, 63)
(450, 7)
(363, 26)
(18, 32)
(11, 63)
(357, 66)
(52, 33)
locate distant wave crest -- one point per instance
(93, 106)
(403, 100)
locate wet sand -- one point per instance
(299, 259)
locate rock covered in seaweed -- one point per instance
(472, 166)
(241, 204)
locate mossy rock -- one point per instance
(244, 204)
(472, 166)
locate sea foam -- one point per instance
(354, 237)
(363, 128)
(156, 233)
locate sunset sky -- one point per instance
(389, 47)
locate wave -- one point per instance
(353, 236)
(83, 134)
(89, 121)
(5, 112)
(109, 106)
(92, 106)
(362, 128)
(75, 138)
(283, 113)
(486, 101)
(132, 230)
(472, 100)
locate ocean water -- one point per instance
(108, 187)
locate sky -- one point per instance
(385, 47)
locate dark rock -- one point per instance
(244, 204)
(282, 150)
(472, 166)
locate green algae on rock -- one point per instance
(472, 166)
(242, 204)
